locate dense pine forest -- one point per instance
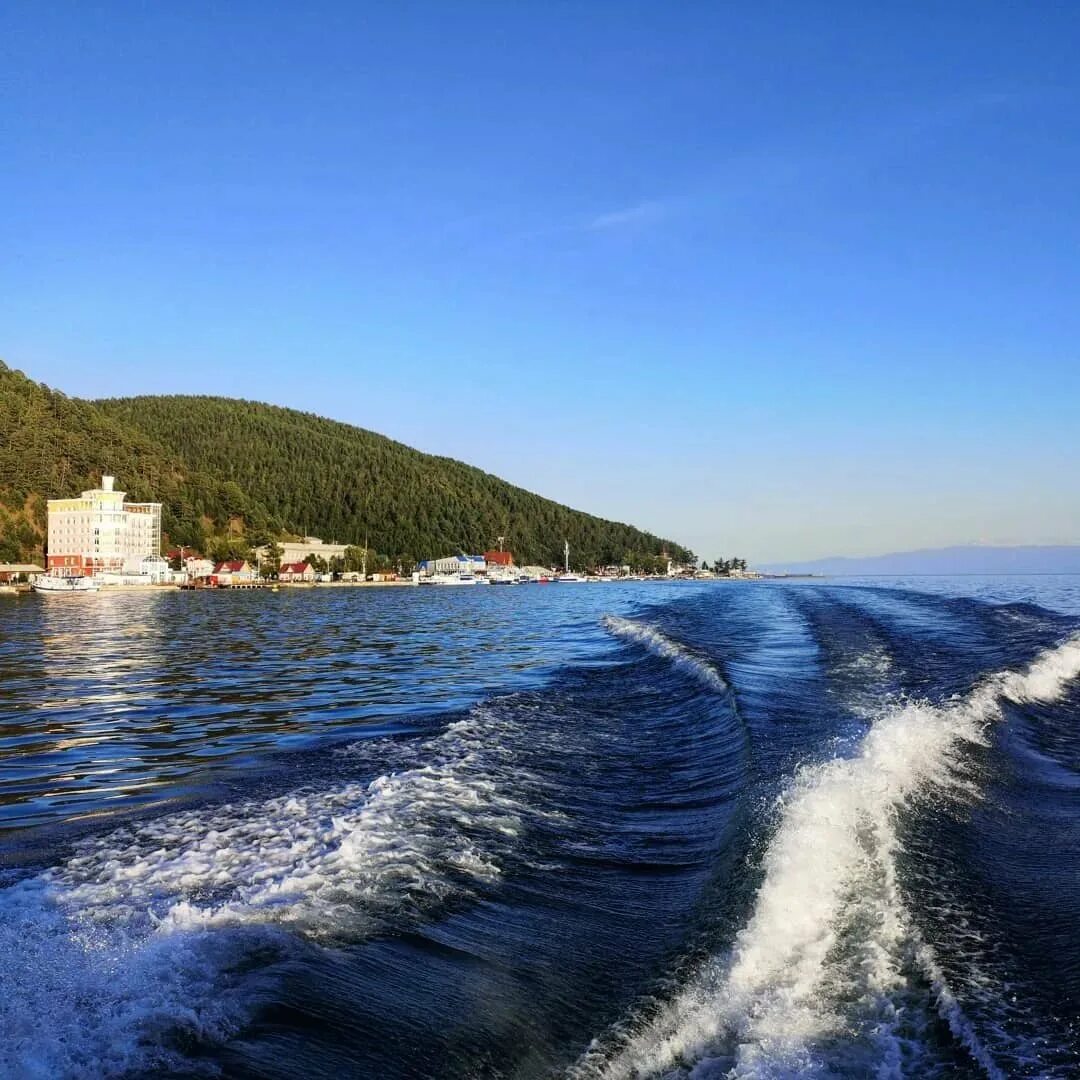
(343, 483)
(240, 472)
(53, 445)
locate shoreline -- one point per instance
(311, 586)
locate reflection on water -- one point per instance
(115, 699)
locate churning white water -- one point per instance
(133, 937)
(824, 955)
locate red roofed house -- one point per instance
(237, 572)
(498, 558)
(296, 571)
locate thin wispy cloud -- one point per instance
(575, 228)
(807, 159)
(641, 213)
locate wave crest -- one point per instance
(661, 645)
(829, 947)
(112, 955)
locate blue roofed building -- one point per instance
(454, 564)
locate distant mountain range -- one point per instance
(964, 559)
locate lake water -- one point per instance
(820, 828)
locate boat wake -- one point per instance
(133, 945)
(487, 891)
(829, 976)
(661, 645)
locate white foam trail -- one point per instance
(822, 958)
(321, 862)
(107, 956)
(92, 1000)
(863, 678)
(661, 645)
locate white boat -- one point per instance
(54, 583)
(567, 575)
(464, 578)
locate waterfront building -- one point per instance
(453, 564)
(300, 550)
(10, 572)
(195, 566)
(100, 532)
(296, 571)
(156, 568)
(237, 572)
(499, 558)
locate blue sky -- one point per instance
(782, 280)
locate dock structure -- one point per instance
(209, 583)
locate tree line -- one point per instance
(343, 483)
(725, 566)
(233, 475)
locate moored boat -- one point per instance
(55, 583)
(567, 575)
(464, 578)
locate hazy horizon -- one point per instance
(768, 284)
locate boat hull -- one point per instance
(49, 584)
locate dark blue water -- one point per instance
(750, 829)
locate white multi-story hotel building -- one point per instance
(98, 532)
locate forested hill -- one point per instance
(53, 445)
(231, 469)
(324, 478)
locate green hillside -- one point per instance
(222, 468)
(53, 445)
(343, 483)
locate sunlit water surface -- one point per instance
(820, 828)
